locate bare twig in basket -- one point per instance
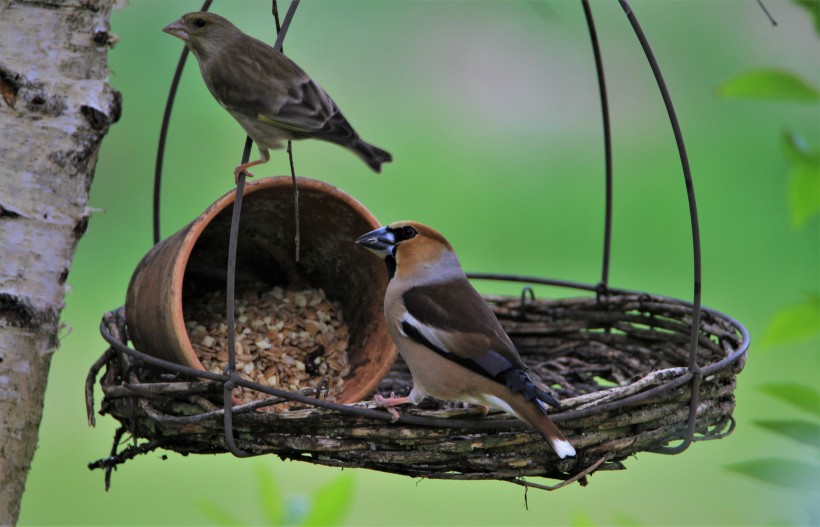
(621, 392)
(110, 463)
(156, 389)
(116, 323)
(90, 379)
(583, 474)
(216, 413)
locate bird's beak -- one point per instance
(381, 242)
(177, 29)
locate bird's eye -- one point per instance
(199, 22)
(408, 232)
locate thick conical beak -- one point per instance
(177, 29)
(381, 242)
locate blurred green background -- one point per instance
(491, 112)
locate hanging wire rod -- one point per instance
(281, 32)
(693, 217)
(599, 70)
(230, 369)
(163, 132)
(297, 238)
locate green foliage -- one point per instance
(813, 7)
(769, 83)
(331, 502)
(802, 320)
(794, 323)
(780, 471)
(805, 432)
(805, 398)
(804, 178)
(270, 498)
(328, 505)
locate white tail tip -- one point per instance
(562, 448)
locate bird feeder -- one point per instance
(634, 371)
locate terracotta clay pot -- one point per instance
(193, 261)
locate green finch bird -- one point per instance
(272, 98)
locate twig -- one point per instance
(763, 7)
(155, 389)
(583, 474)
(89, 384)
(110, 463)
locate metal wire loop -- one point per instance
(526, 293)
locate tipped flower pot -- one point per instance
(193, 262)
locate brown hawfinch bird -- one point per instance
(450, 339)
(267, 93)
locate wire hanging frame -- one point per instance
(721, 332)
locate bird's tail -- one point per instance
(533, 413)
(371, 155)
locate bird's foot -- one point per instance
(239, 170)
(389, 403)
(484, 409)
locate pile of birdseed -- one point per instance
(289, 340)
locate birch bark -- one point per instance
(55, 107)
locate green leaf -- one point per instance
(813, 7)
(804, 432)
(606, 383)
(804, 179)
(782, 472)
(331, 502)
(768, 83)
(270, 499)
(217, 515)
(794, 323)
(802, 397)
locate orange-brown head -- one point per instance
(413, 251)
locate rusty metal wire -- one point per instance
(707, 329)
(694, 369)
(163, 132)
(230, 369)
(599, 72)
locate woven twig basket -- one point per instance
(635, 343)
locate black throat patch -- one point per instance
(390, 261)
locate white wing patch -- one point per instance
(431, 334)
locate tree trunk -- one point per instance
(55, 107)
